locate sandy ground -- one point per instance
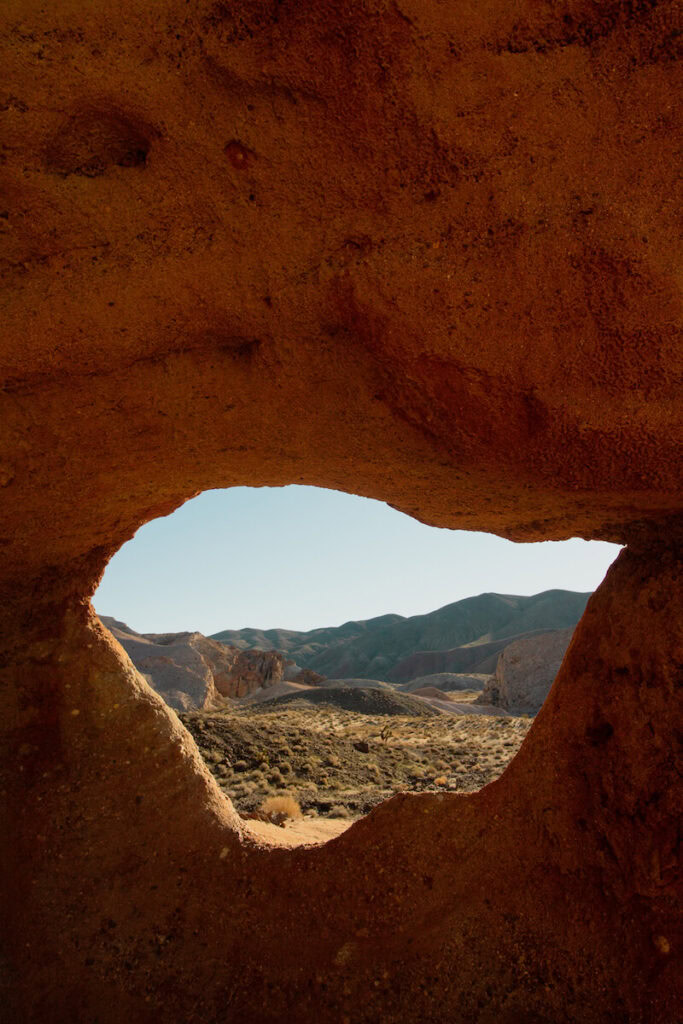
(307, 831)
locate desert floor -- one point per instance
(338, 764)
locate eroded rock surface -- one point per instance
(525, 672)
(190, 670)
(422, 252)
(127, 863)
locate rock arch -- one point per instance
(419, 253)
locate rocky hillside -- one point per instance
(525, 671)
(466, 636)
(469, 659)
(366, 701)
(191, 671)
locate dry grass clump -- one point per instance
(339, 811)
(281, 807)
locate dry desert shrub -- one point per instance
(278, 806)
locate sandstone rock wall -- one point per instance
(426, 253)
(128, 864)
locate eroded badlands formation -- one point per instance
(423, 252)
(190, 670)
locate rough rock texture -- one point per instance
(176, 668)
(525, 672)
(191, 671)
(421, 252)
(251, 670)
(552, 895)
(448, 233)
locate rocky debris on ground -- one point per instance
(336, 762)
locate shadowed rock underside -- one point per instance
(421, 252)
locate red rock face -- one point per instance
(420, 252)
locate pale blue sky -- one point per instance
(300, 557)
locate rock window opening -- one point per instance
(310, 728)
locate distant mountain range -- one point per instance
(466, 636)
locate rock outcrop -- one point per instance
(426, 253)
(305, 676)
(191, 671)
(525, 672)
(251, 670)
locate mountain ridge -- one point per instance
(376, 647)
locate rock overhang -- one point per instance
(419, 253)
